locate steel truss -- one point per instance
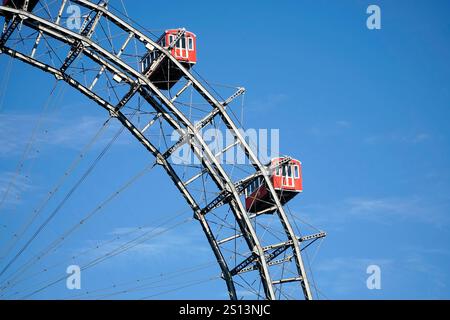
(258, 256)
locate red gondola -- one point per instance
(286, 177)
(18, 4)
(185, 51)
(185, 48)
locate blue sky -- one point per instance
(366, 111)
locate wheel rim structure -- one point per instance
(260, 256)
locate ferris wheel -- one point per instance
(130, 73)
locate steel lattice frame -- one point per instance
(257, 256)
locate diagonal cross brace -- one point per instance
(9, 31)
(88, 31)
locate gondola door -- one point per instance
(288, 177)
(183, 48)
(181, 51)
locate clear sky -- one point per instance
(366, 111)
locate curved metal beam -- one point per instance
(130, 75)
(215, 169)
(228, 121)
(149, 146)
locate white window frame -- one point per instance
(278, 171)
(296, 171)
(171, 40)
(190, 43)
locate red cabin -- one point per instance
(185, 50)
(286, 178)
(18, 4)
